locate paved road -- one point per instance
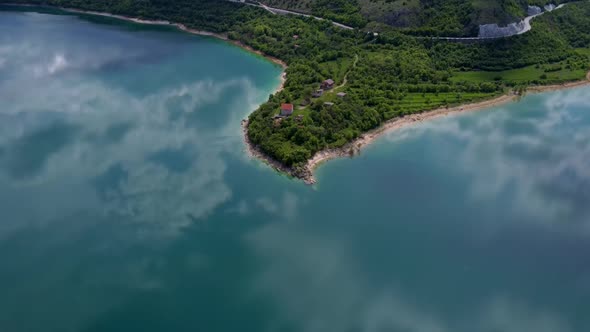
(527, 21)
(278, 11)
(290, 12)
(527, 28)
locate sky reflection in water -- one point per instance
(127, 201)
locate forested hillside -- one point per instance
(382, 76)
(418, 17)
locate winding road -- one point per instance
(526, 22)
(278, 11)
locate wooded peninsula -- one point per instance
(341, 83)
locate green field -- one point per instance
(336, 69)
(540, 74)
(409, 103)
(419, 102)
(583, 51)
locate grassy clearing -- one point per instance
(541, 74)
(337, 69)
(583, 51)
(412, 102)
(419, 102)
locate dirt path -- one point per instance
(345, 79)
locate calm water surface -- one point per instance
(127, 202)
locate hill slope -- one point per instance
(421, 17)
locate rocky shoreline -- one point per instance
(353, 148)
(304, 173)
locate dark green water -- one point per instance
(127, 202)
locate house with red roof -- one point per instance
(286, 109)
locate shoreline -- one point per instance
(179, 26)
(254, 151)
(354, 147)
(306, 174)
(251, 149)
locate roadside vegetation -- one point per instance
(451, 18)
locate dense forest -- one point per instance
(379, 73)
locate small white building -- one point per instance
(318, 93)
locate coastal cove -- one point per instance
(136, 20)
(128, 201)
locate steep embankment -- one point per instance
(490, 31)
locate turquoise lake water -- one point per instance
(128, 203)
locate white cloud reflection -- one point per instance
(117, 138)
(316, 285)
(92, 165)
(535, 153)
(112, 129)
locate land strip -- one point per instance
(353, 148)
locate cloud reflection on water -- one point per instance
(317, 285)
(111, 129)
(97, 178)
(531, 155)
(149, 162)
